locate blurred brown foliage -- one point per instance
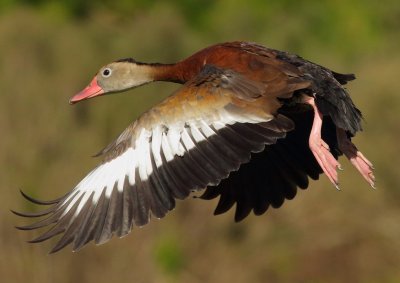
(49, 50)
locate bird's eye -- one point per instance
(106, 72)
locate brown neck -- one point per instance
(179, 72)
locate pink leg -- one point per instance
(320, 149)
(363, 165)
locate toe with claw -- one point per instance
(362, 164)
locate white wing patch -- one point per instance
(170, 141)
(104, 177)
(152, 147)
(156, 145)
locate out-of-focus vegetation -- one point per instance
(50, 49)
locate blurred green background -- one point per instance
(49, 50)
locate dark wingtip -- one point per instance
(34, 241)
(47, 235)
(36, 201)
(241, 213)
(20, 213)
(53, 251)
(33, 214)
(42, 202)
(23, 228)
(16, 212)
(100, 153)
(58, 247)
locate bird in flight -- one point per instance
(249, 125)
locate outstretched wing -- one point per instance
(193, 139)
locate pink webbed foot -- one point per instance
(362, 164)
(320, 149)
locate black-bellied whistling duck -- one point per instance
(250, 124)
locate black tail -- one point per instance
(343, 78)
(332, 99)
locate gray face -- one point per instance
(113, 77)
(119, 76)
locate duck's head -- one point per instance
(116, 77)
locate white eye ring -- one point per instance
(106, 72)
